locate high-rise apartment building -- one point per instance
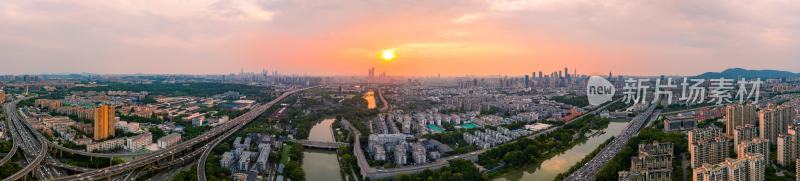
(788, 145)
(653, 163)
(749, 167)
(744, 133)
(797, 167)
(758, 145)
(774, 120)
(104, 121)
(739, 115)
(708, 146)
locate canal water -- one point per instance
(370, 97)
(321, 165)
(561, 163)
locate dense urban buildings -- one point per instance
(653, 163)
(749, 167)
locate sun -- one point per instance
(388, 54)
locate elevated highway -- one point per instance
(184, 150)
(33, 146)
(14, 148)
(201, 165)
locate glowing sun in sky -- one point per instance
(388, 54)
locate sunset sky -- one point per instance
(345, 37)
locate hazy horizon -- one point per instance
(344, 37)
(361, 75)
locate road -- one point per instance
(103, 155)
(590, 169)
(33, 146)
(223, 130)
(56, 163)
(201, 166)
(14, 148)
(577, 118)
(385, 106)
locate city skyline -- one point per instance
(429, 38)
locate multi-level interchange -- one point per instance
(41, 165)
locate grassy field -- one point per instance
(285, 153)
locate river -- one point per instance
(370, 97)
(561, 163)
(321, 165)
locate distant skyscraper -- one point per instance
(566, 73)
(540, 74)
(527, 81)
(739, 115)
(104, 122)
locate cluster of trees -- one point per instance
(527, 152)
(215, 171)
(5, 146)
(73, 146)
(454, 139)
(294, 167)
(349, 162)
(622, 161)
(710, 122)
(458, 170)
(183, 89)
(579, 101)
(187, 175)
(153, 119)
(10, 168)
(788, 175)
(301, 120)
(355, 110)
(260, 126)
(190, 131)
(157, 133)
